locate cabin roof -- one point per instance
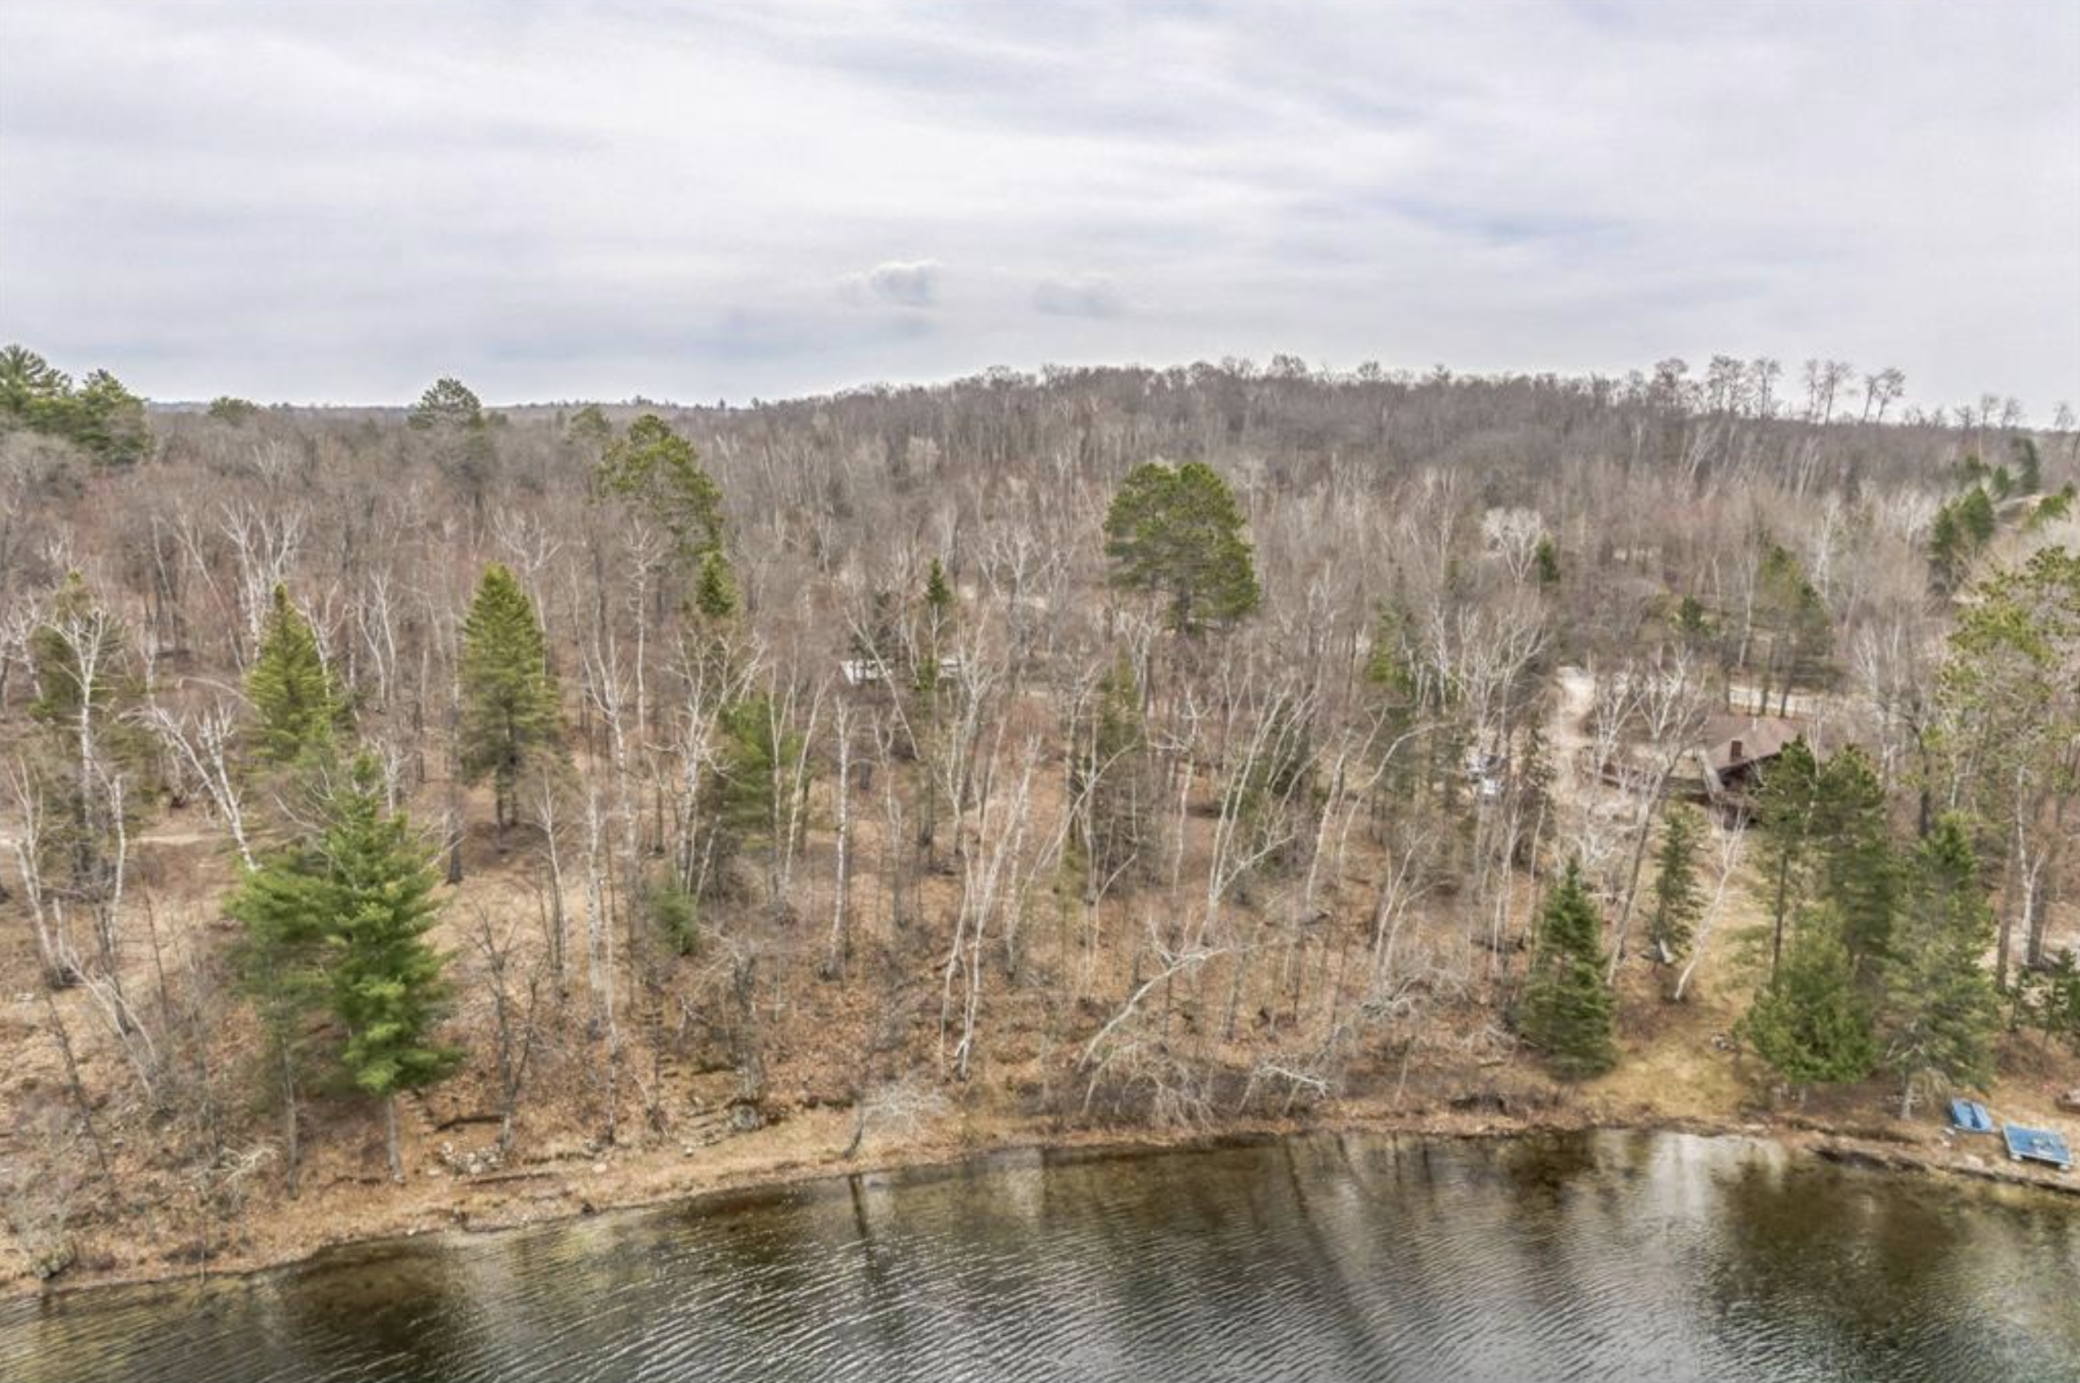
(1759, 739)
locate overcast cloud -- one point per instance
(342, 201)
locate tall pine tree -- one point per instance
(932, 691)
(715, 597)
(343, 923)
(1857, 867)
(759, 758)
(2008, 712)
(2029, 465)
(283, 906)
(1178, 533)
(1784, 810)
(1811, 1023)
(1677, 898)
(296, 707)
(1941, 1005)
(511, 712)
(658, 472)
(1568, 1009)
(938, 591)
(386, 981)
(1110, 781)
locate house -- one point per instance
(860, 672)
(1487, 773)
(872, 672)
(1733, 753)
(1737, 747)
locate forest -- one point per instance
(454, 808)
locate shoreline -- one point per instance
(1840, 1145)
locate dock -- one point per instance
(2037, 1145)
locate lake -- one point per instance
(1596, 1256)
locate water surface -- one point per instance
(1601, 1256)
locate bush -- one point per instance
(671, 909)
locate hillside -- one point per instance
(1101, 755)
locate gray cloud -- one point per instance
(1083, 297)
(906, 283)
(556, 199)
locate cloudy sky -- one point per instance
(342, 201)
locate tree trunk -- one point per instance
(1776, 934)
(292, 1145)
(390, 1141)
(1639, 857)
(454, 843)
(840, 940)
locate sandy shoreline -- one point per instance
(646, 1181)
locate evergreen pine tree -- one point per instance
(1693, 621)
(1947, 547)
(1547, 556)
(2051, 508)
(458, 436)
(2029, 466)
(511, 712)
(1941, 1004)
(1811, 1023)
(1568, 1009)
(1112, 776)
(1975, 517)
(344, 923)
(658, 471)
(1395, 697)
(1784, 808)
(385, 980)
(932, 622)
(2008, 712)
(109, 421)
(236, 411)
(448, 403)
(938, 591)
(295, 705)
(1678, 901)
(1178, 533)
(746, 765)
(1801, 631)
(756, 759)
(99, 415)
(590, 430)
(715, 589)
(1856, 866)
(33, 392)
(283, 906)
(2050, 997)
(1388, 668)
(939, 608)
(673, 910)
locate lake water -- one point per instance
(1603, 1256)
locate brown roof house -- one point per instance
(1734, 752)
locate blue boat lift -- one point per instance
(2024, 1144)
(2037, 1145)
(1969, 1116)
